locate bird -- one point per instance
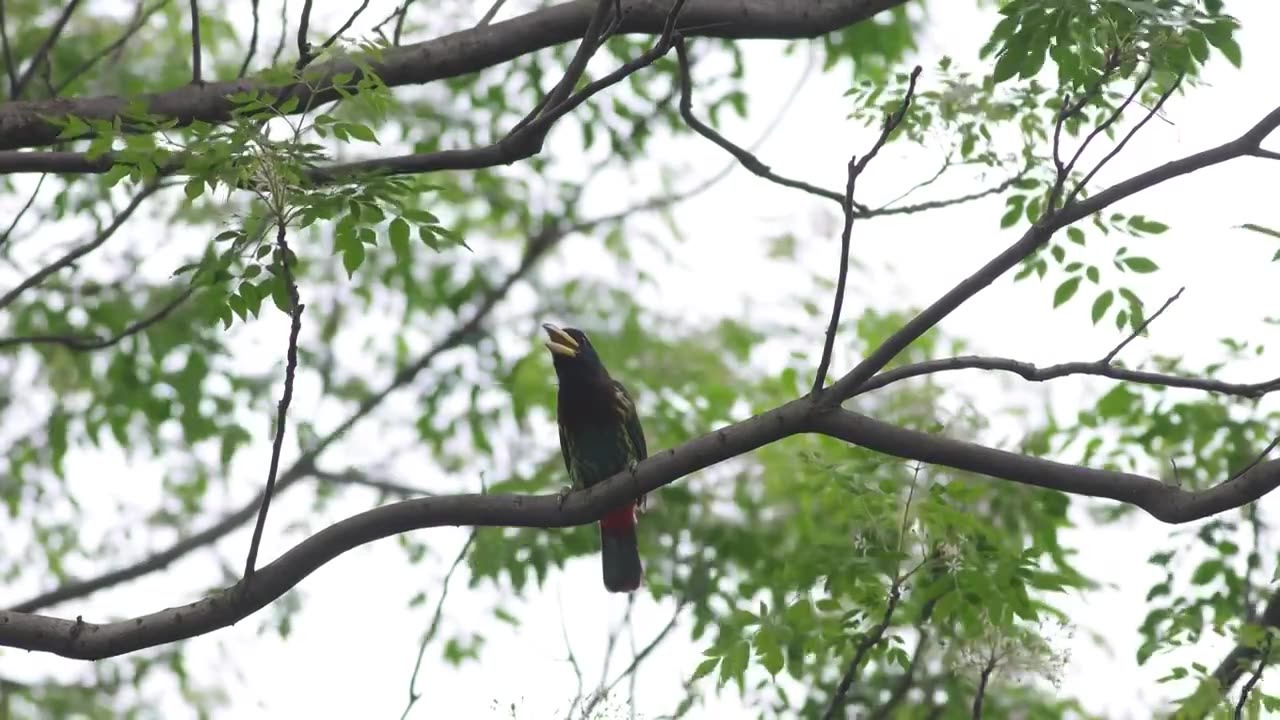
(600, 435)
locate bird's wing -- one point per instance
(631, 422)
(567, 454)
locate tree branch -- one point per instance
(39, 57)
(1030, 372)
(103, 235)
(1034, 238)
(283, 255)
(81, 343)
(856, 168)
(197, 72)
(25, 124)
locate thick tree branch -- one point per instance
(24, 124)
(79, 639)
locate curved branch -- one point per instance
(83, 640)
(25, 124)
(1167, 503)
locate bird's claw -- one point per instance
(563, 495)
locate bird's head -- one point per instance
(572, 355)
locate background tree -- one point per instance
(352, 235)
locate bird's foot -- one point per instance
(565, 492)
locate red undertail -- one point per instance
(619, 553)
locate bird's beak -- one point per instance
(560, 343)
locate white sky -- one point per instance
(354, 641)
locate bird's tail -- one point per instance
(619, 553)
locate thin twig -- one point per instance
(842, 277)
(855, 169)
(983, 679)
(1254, 677)
(39, 57)
(1106, 360)
(82, 343)
(253, 42)
(868, 641)
(1155, 109)
(345, 26)
(133, 28)
(81, 251)
(491, 13)
(280, 42)
(573, 659)
(282, 409)
(9, 69)
(356, 477)
(4, 239)
(1110, 120)
(304, 47)
(197, 72)
(434, 627)
(1070, 110)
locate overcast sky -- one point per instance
(353, 643)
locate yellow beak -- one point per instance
(560, 343)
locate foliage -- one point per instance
(785, 564)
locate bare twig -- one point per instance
(43, 51)
(79, 252)
(1106, 360)
(491, 13)
(572, 658)
(253, 42)
(304, 46)
(345, 26)
(362, 479)
(1034, 238)
(748, 161)
(434, 627)
(13, 223)
(282, 409)
(9, 69)
(197, 72)
(1070, 110)
(1155, 109)
(1109, 121)
(398, 15)
(1254, 678)
(1030, 372)
(855, 169)
(280, 41)
(868, 641)
(983, 679)
(137, 24)
(81, 343)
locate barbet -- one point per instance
(600, 435)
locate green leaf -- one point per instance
(1100, 306)
(1065, 291)
(704, 668)
(1139, 264)
(1261, 229)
